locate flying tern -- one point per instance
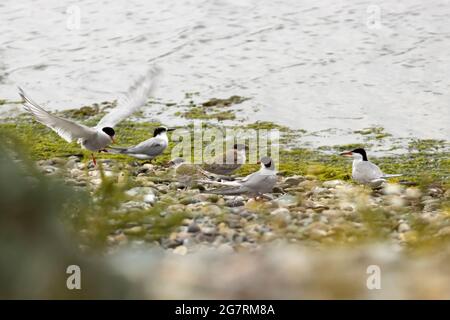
(364, 171)
(97, 138)
(148, 149)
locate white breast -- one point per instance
(97, 142)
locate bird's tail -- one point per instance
(225, 191)
(117, 150)
(387, 176)
(220, 183)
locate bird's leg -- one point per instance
(93, 159)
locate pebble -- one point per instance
(150, 198)
(310, 209)
(181, 250)
(209, 230)
(282, 215)
(232, 203)
(48, 169)
(193, 228)
(403, 227)
(392, 189)
(287, 201)
(413, 193)
(293, 181)
(332, 183)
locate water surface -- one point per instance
(319, 66)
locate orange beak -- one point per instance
(112, 139)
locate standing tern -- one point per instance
(228, 162)
(148, 149)
(255, 184)
(97, 138)
(364, 171)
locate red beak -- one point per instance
(346, 153)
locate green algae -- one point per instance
(427, 162)
(214, 102)
(4, 101)
(211, 109)
(201, 113)
(373, 132)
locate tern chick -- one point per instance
(228, 162)
(187, 174)
(364, 171)
(96, 138)
(148, 149)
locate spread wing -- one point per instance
(66, 129)
(135, 98)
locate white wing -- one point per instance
(67, 129)
(135, 98)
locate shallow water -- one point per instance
(305, 65)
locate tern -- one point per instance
(228, 162)
(364, 171)
(187, 174)
(148, 149)
(97, 138)
(255, 184)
